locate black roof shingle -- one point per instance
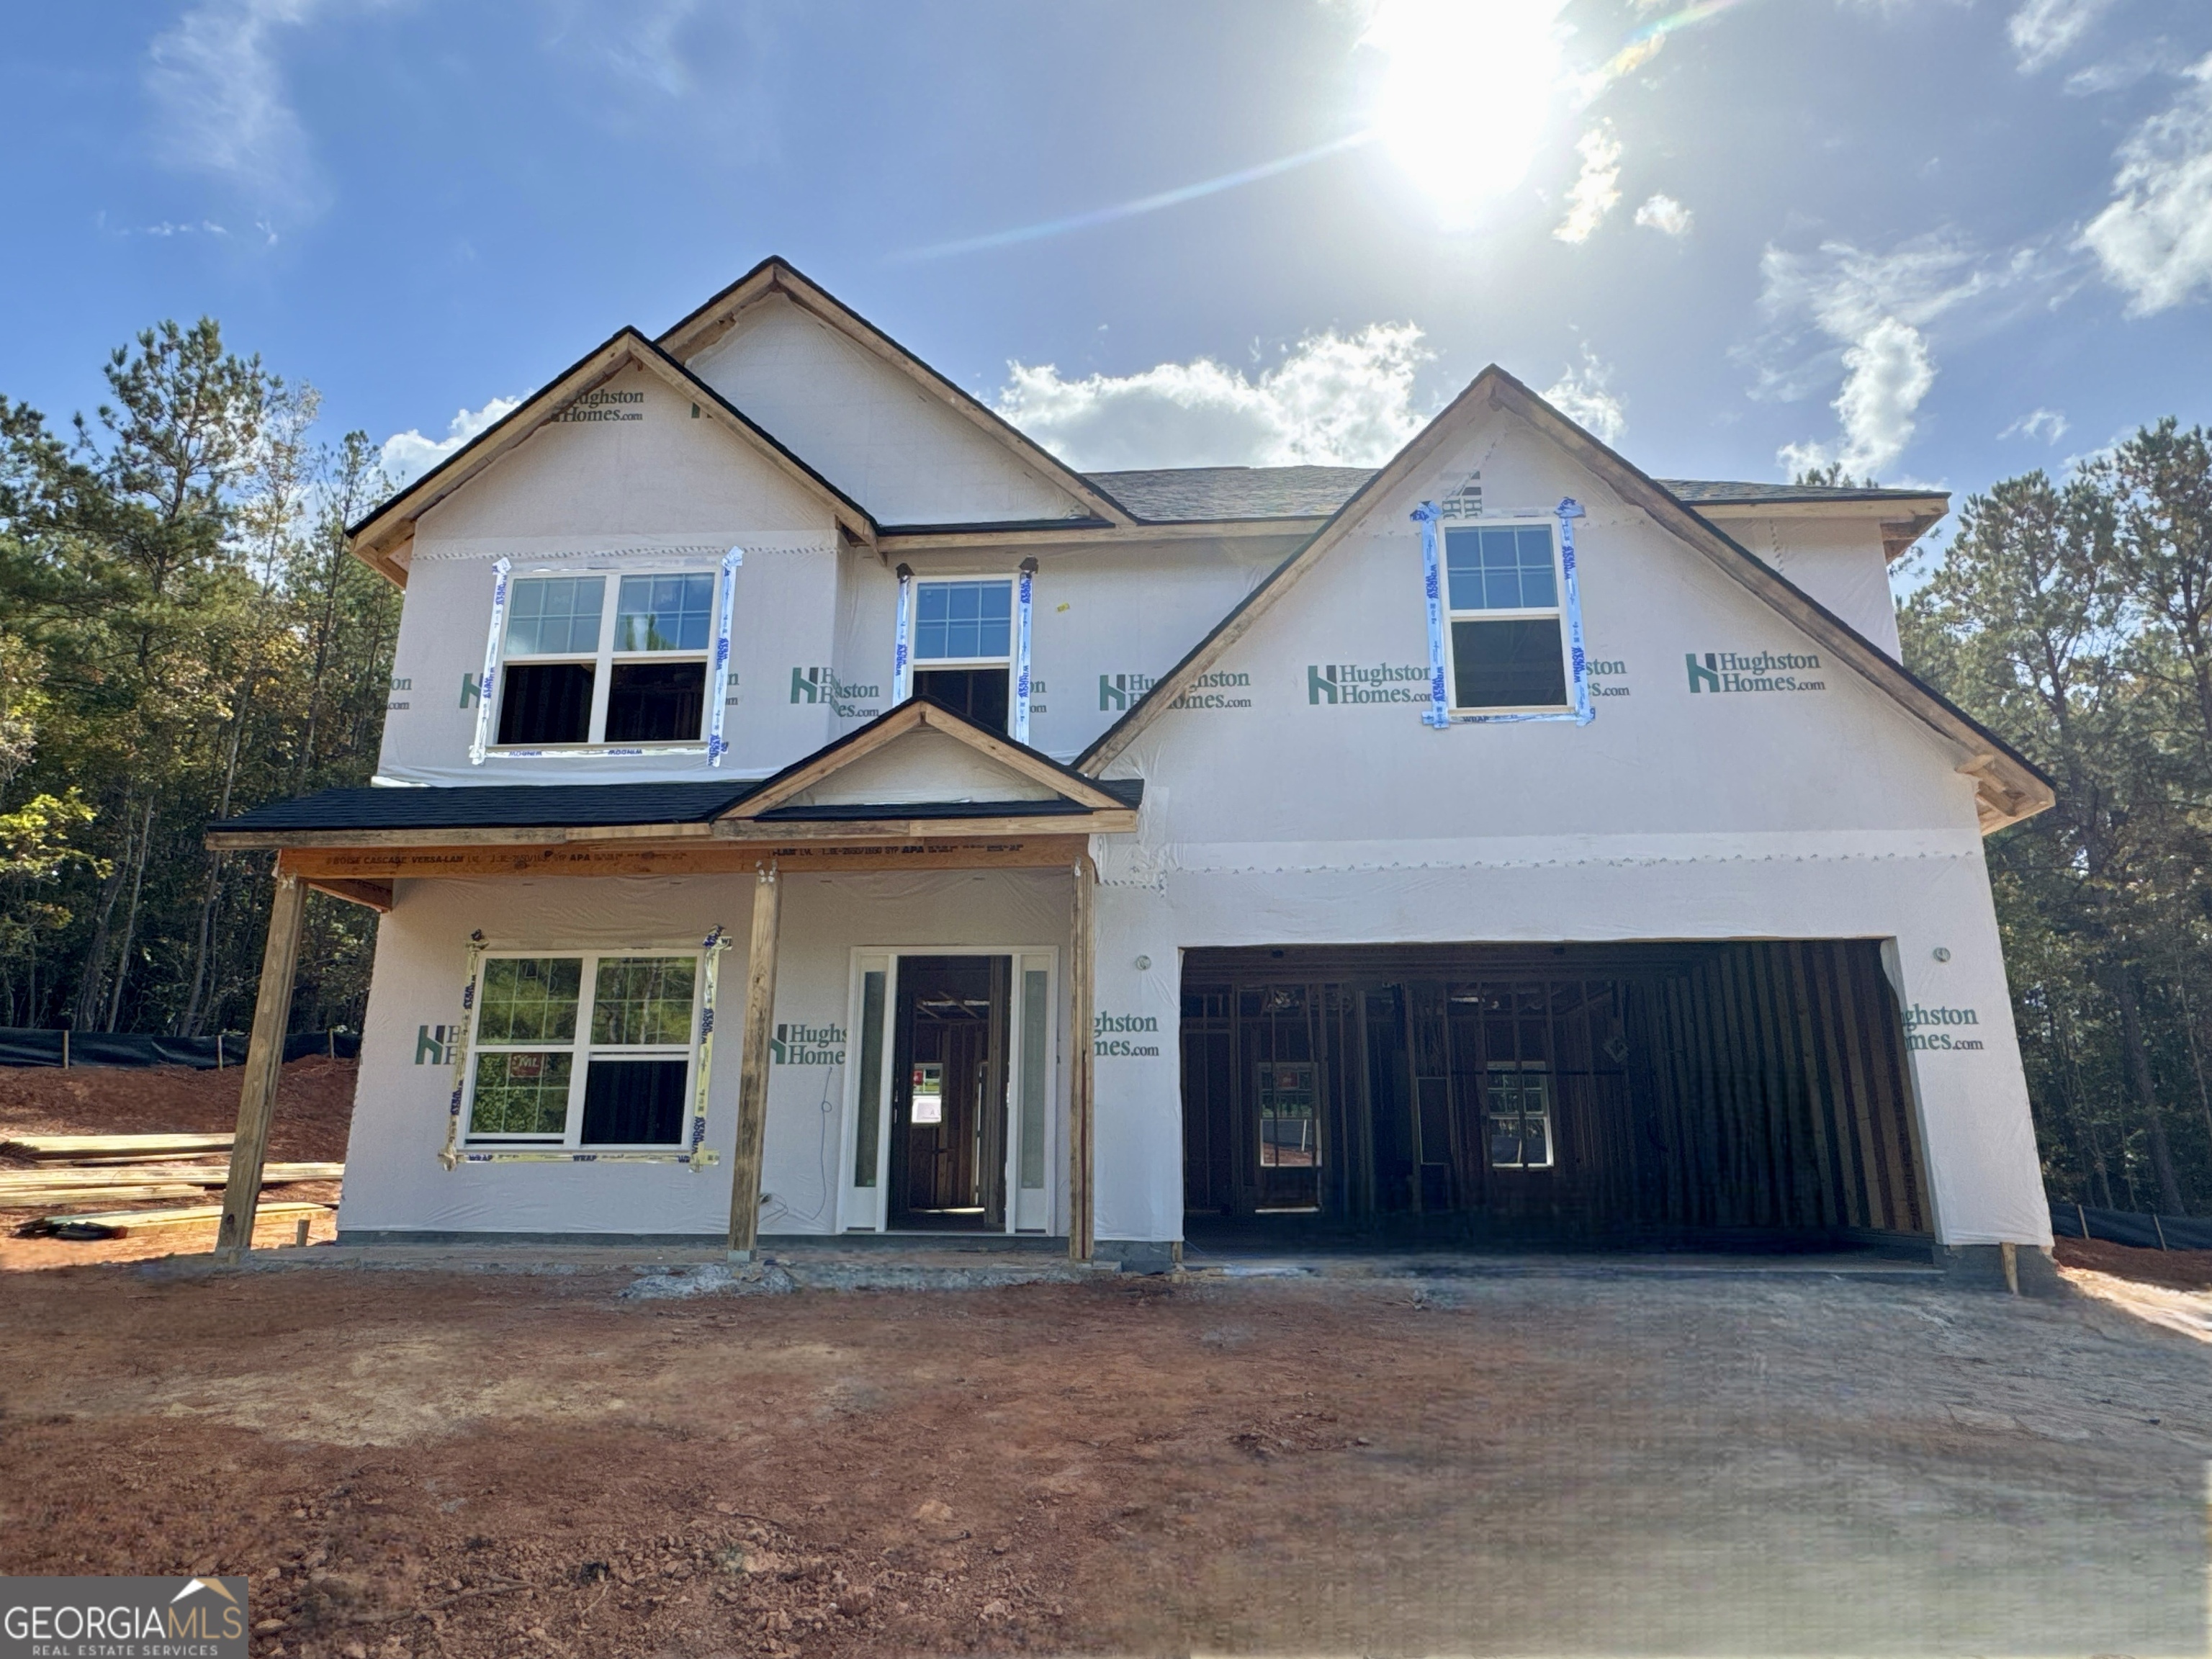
(1198, 494)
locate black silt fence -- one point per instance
(25, 1046)
(2145, 1232)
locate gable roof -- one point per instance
(379, 534)
(1087, 793)
(774, 278)
(2008, 786)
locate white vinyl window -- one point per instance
(586, 1050)
(963, 646)
(1520, 1114)
(584, 665)
(1505, 636)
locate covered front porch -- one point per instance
(901, 924)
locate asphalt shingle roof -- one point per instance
(498, 806)
(1186, 495)
(578, 805)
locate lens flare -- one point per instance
(1106, 216)
(1468, 92)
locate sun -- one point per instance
(1468, 92)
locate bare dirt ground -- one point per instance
(314, 1107)
(485, 1465)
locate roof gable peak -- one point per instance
(776, 277)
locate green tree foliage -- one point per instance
(182, 635)
(2073, 617)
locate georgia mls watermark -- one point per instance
(123, 1618)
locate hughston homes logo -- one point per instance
(1341, 683)
(604, 406)
(807, 1045)
(1917, 1020)
(1763, 670)
(819, 684)
(1118, 691)
(1105, 1038)
(123, 1618)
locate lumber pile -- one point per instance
(121, 1223)
(115, 1149)
(48, 1188)
(113, 1169)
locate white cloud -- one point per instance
(408, 455)
(2048, 424)
(1597, 188)
(222, 103)
(2043, 31)
(2155, 240)
(1871, 309)
(1584, 395)
(1346, 400)
(1665, 214)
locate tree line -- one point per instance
(2073, 617)
(182, 635)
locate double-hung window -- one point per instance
(1520, 1113)
(583, 1050)
(577, 671)
(963, 641)
(1504, 629)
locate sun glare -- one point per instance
(1468, 92)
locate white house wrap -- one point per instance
(1485, 846)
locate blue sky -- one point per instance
(1943, 241)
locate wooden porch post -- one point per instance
(1080, 1071)
(264, 1065)
(752, 1069)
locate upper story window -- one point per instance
(578, 672)
(1505, 634)
(963, 643)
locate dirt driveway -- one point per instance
(416, 1463)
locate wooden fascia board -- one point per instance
(1257, 604)
(1901, 521)
(1497, 389)
(848, 512)
(1121, 820)
(1000, 849)
(370, 895)
(693, 332)
(774, 276)
(1843, 509)
(396, 518)
(909, 716)
(796, 781)
(1015, 758)
(1807, 613)
(594, 369)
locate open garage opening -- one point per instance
(1689, 1095)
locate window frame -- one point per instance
(1549, 1115)
(918, 665)
(1556, 611)
(582, 1050)
(602, 662)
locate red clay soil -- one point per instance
(2183, 1270)
(314, 1109)
(481, 1466)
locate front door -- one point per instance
(949, 1095)
(950, 1123)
